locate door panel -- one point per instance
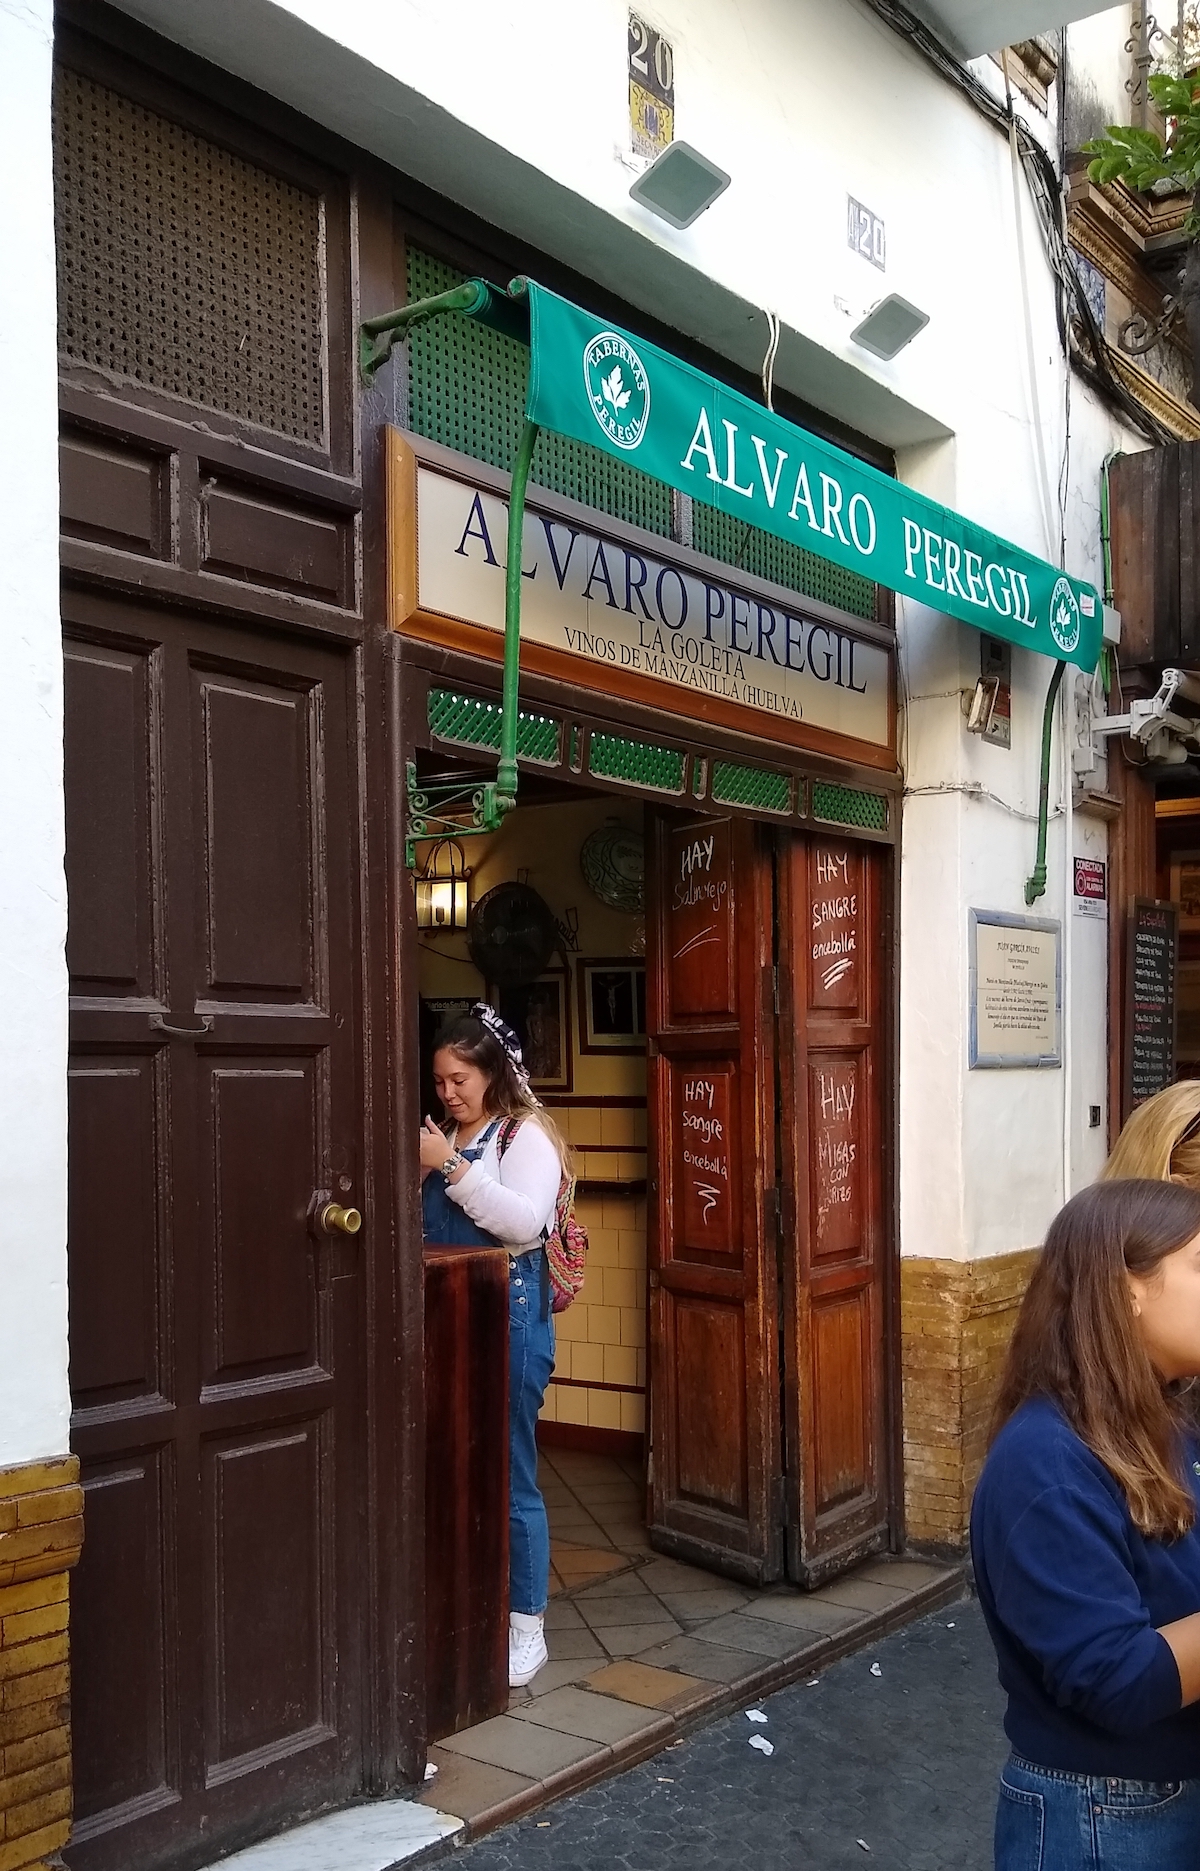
(265, 1166)
(710, 1427)
(215, 1351)
(111, 743)
(267, 1665)
(833, 969)
(123, 1626)
(264, 907)
(841, 1337)
(114, 1115)
(714, 1375)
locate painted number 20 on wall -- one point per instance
(864, 233)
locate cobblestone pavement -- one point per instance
(895, 1771)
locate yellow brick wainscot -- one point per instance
(41, 1532)
(956, 1318)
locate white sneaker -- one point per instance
(526, 1648)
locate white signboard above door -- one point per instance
(595, 597)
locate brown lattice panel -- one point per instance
(183, 267)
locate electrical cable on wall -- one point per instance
(768, 369)
(975, 789)
(1090, 353)
(1035, 404)
(768, 390)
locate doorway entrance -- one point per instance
(730, 1346)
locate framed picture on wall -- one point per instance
(540, 1015)
(1185, 888)
(612, 1005)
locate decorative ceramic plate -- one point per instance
(613, 862)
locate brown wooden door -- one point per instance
(834, 967)
(216, 1335)
(715, 1484)
(769, 1246)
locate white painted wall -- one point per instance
(519, 113)
(34, 1410)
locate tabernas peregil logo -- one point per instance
(1064, 617)
(618, 388)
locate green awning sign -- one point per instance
(598, 384)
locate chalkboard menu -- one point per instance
(1150, 999)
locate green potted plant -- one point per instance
(1140, 158)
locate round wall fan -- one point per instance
(511, 935)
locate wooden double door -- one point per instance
(770, 1249)
(216, 1328)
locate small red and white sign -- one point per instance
(1091, 888)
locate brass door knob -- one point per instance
(338, 1220)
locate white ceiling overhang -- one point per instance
(972, 27)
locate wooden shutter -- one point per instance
(833, 969)
(714, 1371)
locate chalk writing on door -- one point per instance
(698, 940)
(704, 1122)
(697, 886)
(834, 927)
(835, 1132)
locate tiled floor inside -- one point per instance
(642, 1646)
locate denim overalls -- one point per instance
(530, 1362)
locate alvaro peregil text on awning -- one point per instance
(634, 400)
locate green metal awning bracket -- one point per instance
(474, 298)
(438, 809)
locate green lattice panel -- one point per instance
(735, 785)
(472, 723)
(467, 390)
(641, 764)
(846, 805)
(724, 537)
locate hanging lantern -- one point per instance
(443, 888)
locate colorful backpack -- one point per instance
(566, 1239)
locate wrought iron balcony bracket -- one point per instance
(1139, 334)
(450, 809)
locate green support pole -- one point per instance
(433, 810)
(1036, 887)
(506, 771)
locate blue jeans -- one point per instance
(1052, 1821)
(530, 1362)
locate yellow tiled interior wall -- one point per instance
(609, 1140)
(601, 1339)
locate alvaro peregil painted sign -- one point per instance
(602, 600)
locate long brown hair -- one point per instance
(1076, 1341)
(506, 1095)
(1161, 1139)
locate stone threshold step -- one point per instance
(663, 1727)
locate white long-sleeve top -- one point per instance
(512, 1197)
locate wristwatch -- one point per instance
(453, 1162)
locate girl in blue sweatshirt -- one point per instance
(1085, 1542)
